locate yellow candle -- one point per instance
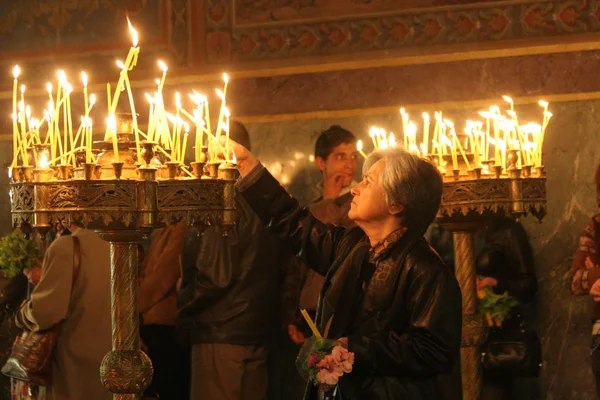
(84, 80)
(425, 146)
(184, 145)
(222, 95)
(111, 128)
(509, 101)
(16, 73)
(164, 68)
(226, 128)
(359, 148)
(404, 126)
(89, 144)
(311, 324)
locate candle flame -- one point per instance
(178, 100)
(62, 77)
(226, 112)
(84, 79)
(392, 140)
(49, 87)
(28, 112)
(149, 98)
(92, 99)
(543, 103)
(233, 157)
(426, 117)
(220, 94)
(548, 114)
(43, 161)
(372, 131)
(507, 99)
(157, 81)
(225, 78)
(359, 145)
(120, 64)
(186, 126)
(134, 34)
(22, 89)
(16, 71)
(163, 66)
(111, 123)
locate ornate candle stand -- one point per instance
(469, 199)
(122, 209)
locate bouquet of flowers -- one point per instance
(323, 361)
(495, 307)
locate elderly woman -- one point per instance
(387, 295)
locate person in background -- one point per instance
(585, 273)
(85, 334)
(336, 158)
(388, 297)
(506, 264)
(157, 305)
(229, 303)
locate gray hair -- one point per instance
(410, 182)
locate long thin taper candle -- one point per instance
(16, 73)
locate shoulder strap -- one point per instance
(76, 260)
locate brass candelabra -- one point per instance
(122, 202)
(469, 199)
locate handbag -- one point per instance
(512, 352)
(33, 352)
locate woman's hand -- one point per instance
(485, 282)
(245, 160)
(33, 274)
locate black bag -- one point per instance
(512, 353)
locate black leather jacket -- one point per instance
(230, 290)
(407, 329)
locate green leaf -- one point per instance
(17, 253)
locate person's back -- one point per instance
(229, 303)
(85, 334)
(230, 288)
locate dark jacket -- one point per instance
(302, 285)
(230, 290)
(407, 328)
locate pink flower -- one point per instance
(313, 359)
(334, 365)
(343, 358)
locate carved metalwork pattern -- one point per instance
(491, 196)
(126, 371)
(199, 202)
(111, 195)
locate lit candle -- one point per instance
(425, 143)
(129, 63)
(150, 132)
(184, 145)
(227, 114)
(84, 80)
(111, 128)
(404, 117)
(16, 73)
(164, 68)
(222, 95)
(134, 122)
(509, 101)
(359, 148)
(88, 147)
